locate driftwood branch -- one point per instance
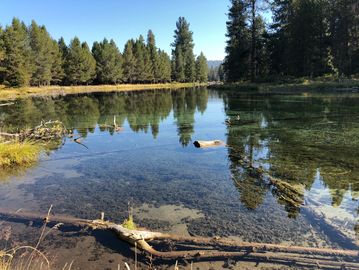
(209, 248)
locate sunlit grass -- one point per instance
(129, 223)
(13, 93)
(14, 154)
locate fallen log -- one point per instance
(206, 144)
(324, 257)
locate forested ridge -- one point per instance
(29, 56)
(305, 38)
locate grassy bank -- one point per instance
(14, 93)
(15, 154)
(299, 86)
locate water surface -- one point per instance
(151, 167)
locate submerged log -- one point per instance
(206, 144)
(209, 248)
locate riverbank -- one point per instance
(303, 86)
(24, 92)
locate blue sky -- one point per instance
(121, 20)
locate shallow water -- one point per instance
(151, 167)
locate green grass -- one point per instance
(7, 93)
(14, 154)
(129, 223)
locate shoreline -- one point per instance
(8, 94)
(306, 86)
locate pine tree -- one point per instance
(154, 57)
(279, 39)
(88, 65)
(63, 52)
(201, 68)
(63, 47)
(221, 74)
(17, 63)
(129, 62)
(164, 67)
(148, 74)
(80, 65)
(108, 62)
(308, 42)
(236, 64)
(139, 55)
(2, 55)
(178, 65)
(182, 55)
(344, 35)
(262, 38)
(42, 48)
(57, 67)
(190, 66)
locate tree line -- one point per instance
(30, 56)
(306, 38)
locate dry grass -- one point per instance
(14, 93)
(14, 153)
(25, 257)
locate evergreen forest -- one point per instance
(300, 38)
(29, 56)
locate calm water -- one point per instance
(151, 166)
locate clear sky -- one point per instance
(121, 20)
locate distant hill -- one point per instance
(214, 63)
